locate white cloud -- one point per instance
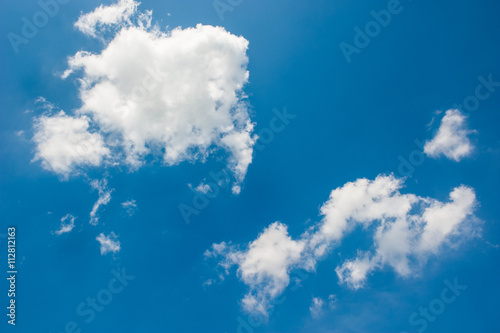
(451, 139)
(67, 224)
(130, 206)
(407, 229)
(203, 188)
(177, 94)
(64, 143)
(443, 219)
(317, 307)
(332, 301)
(108, 243)
(208, 282)
(354, 272)
(264, 266)
(104, 198)
(105, 16)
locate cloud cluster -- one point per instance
(407, 229)
(451, 139)
(176, 94)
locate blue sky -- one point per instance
(350, 124)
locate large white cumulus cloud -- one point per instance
(177, 94)
(407, 230)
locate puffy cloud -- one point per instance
(407, 229)
(176, 94)
(266, 263)
(451, 139)
(108, 243)
(354, 272)
(64, 143)
(203, 188)
(443, 219)
(104, 198)
(67, 224)
(264, 266)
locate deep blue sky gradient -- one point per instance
(353, 120)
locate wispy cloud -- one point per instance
(67, 224)
(130, 206)
(316, 307)
(104, 198)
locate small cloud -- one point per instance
(203, 188)
(117, 14)
(67, 224)
(104, 198)
(316, 307)
(45, 105)
(451, 139)
(236, 189)
(130, 206)
(108, 243)
(209, 282)
(332, 301)
(492, 245)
